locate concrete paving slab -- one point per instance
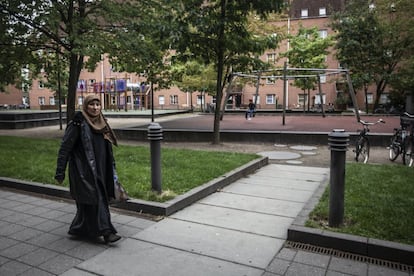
(280, 155)
(303, 147)
(135, 257)
(230, 245)
(269, 192)
(291, 168)
(240, 220)
(77, 272)
(281, 182)
(308, 153)
(275, 172)
(254, 204)
(293, 162)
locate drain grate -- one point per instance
(349, 256)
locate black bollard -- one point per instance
(155, 137)
(338, 144)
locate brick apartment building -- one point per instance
(125, 91)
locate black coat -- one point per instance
(77, 149)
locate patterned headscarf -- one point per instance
(98, 123)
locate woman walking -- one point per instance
(87, 147)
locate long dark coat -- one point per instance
(77, 150)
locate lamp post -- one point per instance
(59, 88)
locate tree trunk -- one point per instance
(220, 68)
(75, 65)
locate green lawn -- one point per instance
(379, 199)
(379, 203)
(182, 170)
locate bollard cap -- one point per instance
(154, 132)
(338, 140)
(154, 126)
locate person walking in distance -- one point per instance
(87, 147)
(250, 110)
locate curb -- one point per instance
(148, 207)
(245, 136)
(369, 247)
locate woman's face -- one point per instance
(94, 108)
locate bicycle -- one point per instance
(398, 140)
(362, 146)
(408, 155)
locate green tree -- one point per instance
(308, 50)
(143, 43)
(217, 32)
(374, 41)
(192, 76)
(14, 54)
(77, 29)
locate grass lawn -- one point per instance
(379, 203)
(182, 170)
(379, 199)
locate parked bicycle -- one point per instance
(362, 145)
(400, 140)
(408, 153)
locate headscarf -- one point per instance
(98, 123)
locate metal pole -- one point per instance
(284, 90)
(320, 95)
(338, 143)
(152, 102)
(59, 89)
(155, 137)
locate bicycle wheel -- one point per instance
(362, 150)
(408, 158)
(394, 147)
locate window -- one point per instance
(41, 84)
(271, 58)
(302, 99)
(52, 100)
(322, 78)
(384, 98)
(161, 100)
(200, 99)
(322, 11)
(304, 13)
(92, 81)
(173, 99)
(256, 100)
(42, 100)
(323, 33)
(270, 99)
(80, 100)
(271, 80)
(81, 85)
(318, 99)
(370, 98)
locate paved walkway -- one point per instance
(239, 230)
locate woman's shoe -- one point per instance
(111, 238)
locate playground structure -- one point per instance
(285, 74)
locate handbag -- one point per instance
(119, 191)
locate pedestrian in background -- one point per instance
(87, 147)
(251, 108)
